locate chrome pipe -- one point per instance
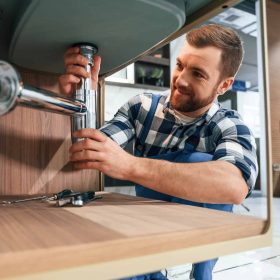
(48, 101)
(12, 92)
(86, 94)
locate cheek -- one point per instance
(174, 78)
(203, 87)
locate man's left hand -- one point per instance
(97, 151)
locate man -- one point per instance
(186, 122)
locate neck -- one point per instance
(198, 113)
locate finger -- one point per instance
(88, 165)
(72, 50)
(75, 58)
(96, 67)
(77, 71)
(66, 82)
(68, 79)
(85, 155)
(93, 134)
(87, 144)
(95, 71)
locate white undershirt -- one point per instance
(183, 118)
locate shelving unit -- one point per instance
(154, 69)
(149, 72)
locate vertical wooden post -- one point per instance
(273, 26)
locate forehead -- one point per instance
(207, 57)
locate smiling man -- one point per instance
(188, 149)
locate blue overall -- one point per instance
(202, 270)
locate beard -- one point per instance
(188, 101)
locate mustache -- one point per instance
(184, 90)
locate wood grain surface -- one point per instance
(34, 148)
(37, 237)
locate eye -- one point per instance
(198, 75)
(179, 66)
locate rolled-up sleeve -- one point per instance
(121, 128)
(236, 144)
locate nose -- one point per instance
(181, 79)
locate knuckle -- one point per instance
(93, 131)
(69, 68)
(87, 153)
(80, 59)
(87, 143)
(87, 164)
(82, 72)
(77, 70)
(106, 142)
(105, 169)
(99, 156)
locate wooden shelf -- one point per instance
(155, 60)
(117, 231)
(143, 86)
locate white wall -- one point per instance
(116, 96)
(248, 104)
(175, 47)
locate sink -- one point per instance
(36, 33)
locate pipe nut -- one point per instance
(10, 87)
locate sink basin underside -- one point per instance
(34, 34)
(123, 29)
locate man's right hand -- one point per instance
(75, 64)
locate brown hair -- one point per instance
(223, 38)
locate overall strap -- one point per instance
(193, 140)
(149, 118)
(140, 144)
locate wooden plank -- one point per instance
(37, 237)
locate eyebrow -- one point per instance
(195, 68)
(178, 60)
(200, 70)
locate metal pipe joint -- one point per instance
(82, 107)
(86, 93)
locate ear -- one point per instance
(225, 85)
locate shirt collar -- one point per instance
(169, 113)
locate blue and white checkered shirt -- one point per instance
(222, 133)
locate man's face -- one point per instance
(195, 79)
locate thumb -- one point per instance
(95, 70)
(91, 133)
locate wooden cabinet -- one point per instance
(34, 148)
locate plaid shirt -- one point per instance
(221, 132)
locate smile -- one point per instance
(178, 92)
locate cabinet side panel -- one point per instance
(34, 146)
